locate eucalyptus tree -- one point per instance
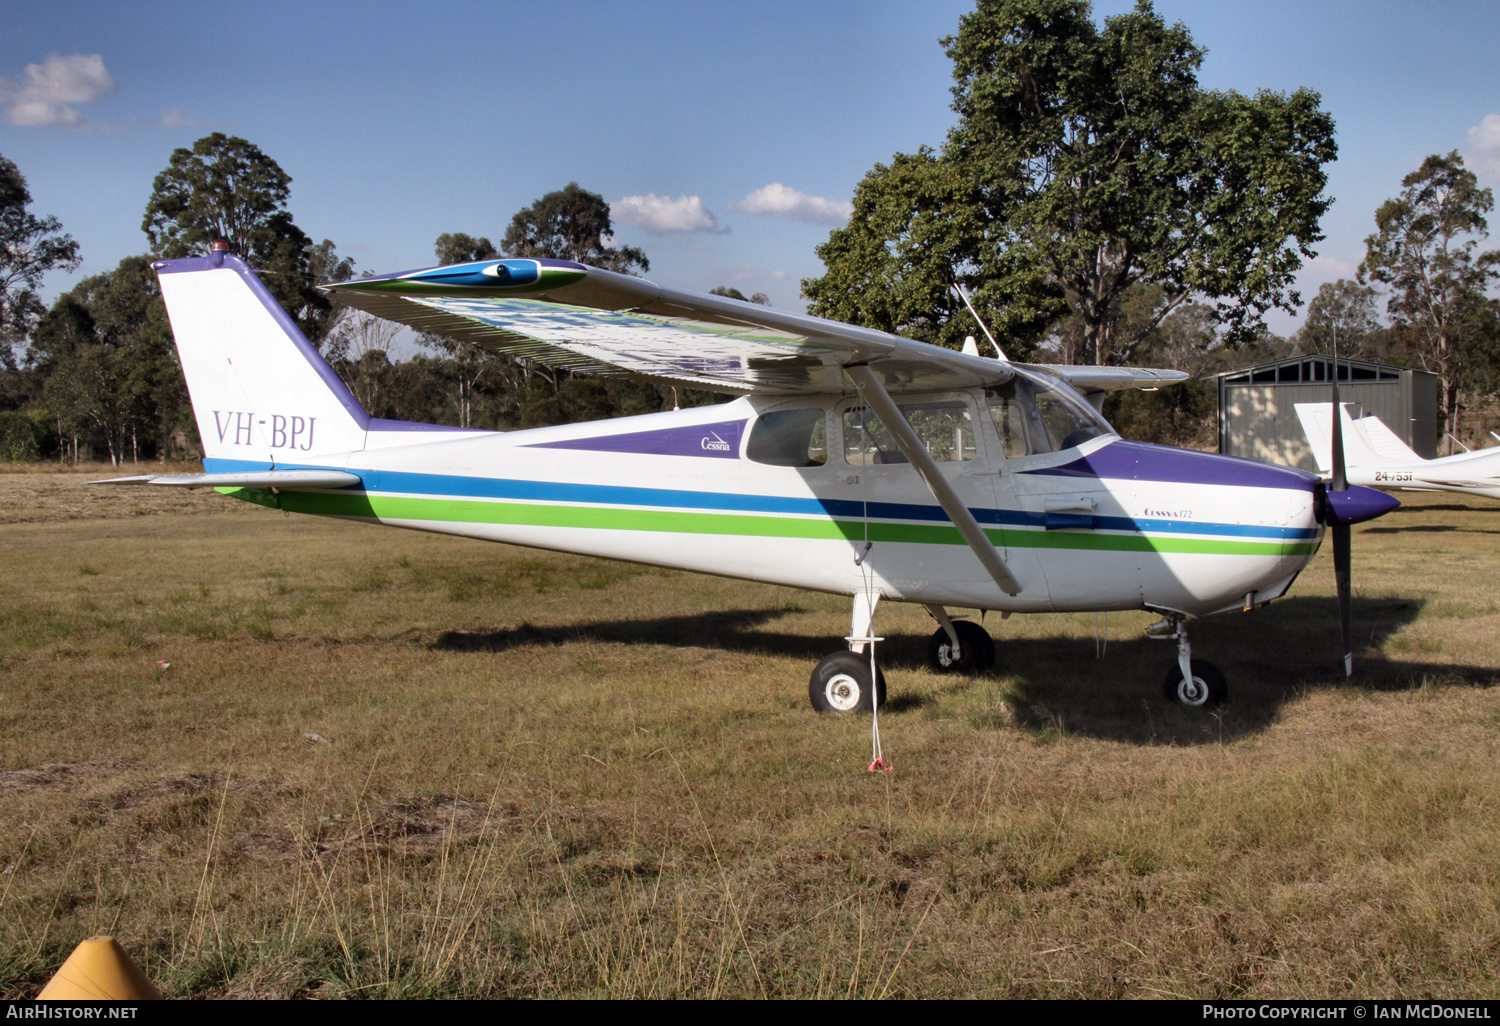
(225, 188)
(30, 246)
(1344, 311)
(571, 224)
(1425, 251)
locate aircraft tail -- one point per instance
(1366, 440)
(260, 390)
(1382, 439)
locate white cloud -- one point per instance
(777, 200)
(47, 91)
(175, 117)
(749, 272)
(1332, 267)
(1484, 147)
(662, 215)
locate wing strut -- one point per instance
(874, 393)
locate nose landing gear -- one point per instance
(1193, 682)
(958, 646)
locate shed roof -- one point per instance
(1310, 367)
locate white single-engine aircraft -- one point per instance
(854, 462)
(1377, 458)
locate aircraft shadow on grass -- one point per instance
(1430, 528)
(1407, 511)
(1057, 684)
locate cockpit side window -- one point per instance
(1033, 417)
(1010, 421)
(790, 438)
(946, 429)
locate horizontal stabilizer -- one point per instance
(1448, 482)
(287, 479)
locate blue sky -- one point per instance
(400, 122)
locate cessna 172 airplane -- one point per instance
(854, 462)
(1377, 458)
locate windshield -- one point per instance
(1038, 415)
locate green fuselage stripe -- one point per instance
(614, 518)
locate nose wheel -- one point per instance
(974, 653)
(1193, 682)
(1205, 689)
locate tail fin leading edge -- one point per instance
(260, 391)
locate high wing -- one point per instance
(588, 319)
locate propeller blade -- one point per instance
(1340, 534)
(1340, 528)
(1340, 474)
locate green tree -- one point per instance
(1086, 160)
(225, 188)
(458, 248)
(570, 224)
(30, 246)
(730, 292)
(1346, 309)
(106, 355)
(917, 227)
(18, 438)
(360, 350)
(1424, 250)
(469, 364)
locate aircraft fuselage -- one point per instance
(1103, 525)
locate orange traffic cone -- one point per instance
(99, 970)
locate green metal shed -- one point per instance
(1257, 419)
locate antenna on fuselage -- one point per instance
(999, 353)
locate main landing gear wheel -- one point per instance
(976, 650)
(841, 684)
(1206, 690)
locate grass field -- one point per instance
(382, 763)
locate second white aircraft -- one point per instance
(1376, 458)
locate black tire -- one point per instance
(1209, 690)
(841, 684)
(976, 650)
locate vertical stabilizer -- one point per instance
(1315, 419)
(260, 391)
(1366, 440)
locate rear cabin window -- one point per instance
(945, 428)
(790, 438)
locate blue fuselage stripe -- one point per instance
(454, 486)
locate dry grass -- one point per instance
(537, 775)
